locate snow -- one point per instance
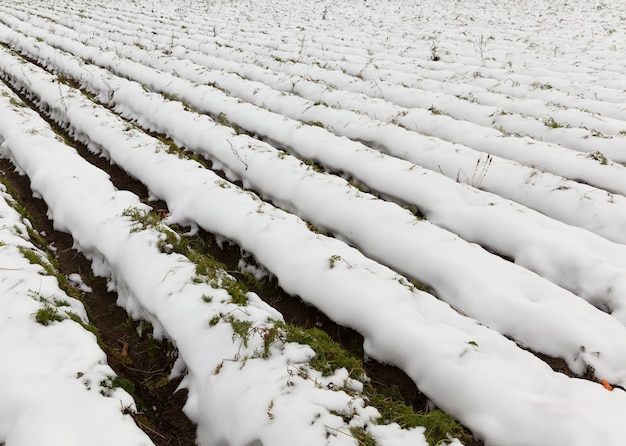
(162, 289)
(51, 375)
(510, 145)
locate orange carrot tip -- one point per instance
(606, 385)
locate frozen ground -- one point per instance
(365, 149)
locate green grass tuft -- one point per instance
(47, 315)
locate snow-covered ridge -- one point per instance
(590, 204)
(335, 287)
(587, 270)
(355, 217)
(53, 374)
(198, 317)
(504, 394)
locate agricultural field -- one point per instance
(359, 223)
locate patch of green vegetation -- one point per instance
(315, 123)
(468, 98)
(34, 258)
(222, 118)
(123, 383)
(316, 229)
(48, 314)
(414, 210)
(595, 133)
(362, 437)
(541, 86)
(172, 148)
(50, 265)
(598, 156)
(417, 285)
(16, 103)
(552, 123)
(113, 382)
(322, 103)
(223, 184)
(76, 318)
(34, 236)
(329, 355)
(332, 261)
(501, 112)
(126, 325)
(143, 220)
(153, 345)
(241, 329)
(60, 302)
(171, 97)
(195, 248)
(317, 167)
(359, 186)
(439, 425)
(435, 111)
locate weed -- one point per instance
(552, 123)
(434, 48)
(598, 156)
(362, 437)
(332, 261)
(315, 229)
(480, 171)
(541, 86)
(329, 356)
(480, 44)
(414, 210)
(500, 112)
(142, 220)
(270, 335)
(113, 382)
(126, 325)
(195, 249)
(317, 167)
(223, 184)
(122, 383)
(60, 302)
(470, 98)
(48, 314)
(14, 102)
(595, 133)
(215, 320)
(435, 111)
(439, 425)
(35, 258)
(153, 346)
(395, 120)
(315, 123)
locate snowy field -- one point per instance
(447, 178)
